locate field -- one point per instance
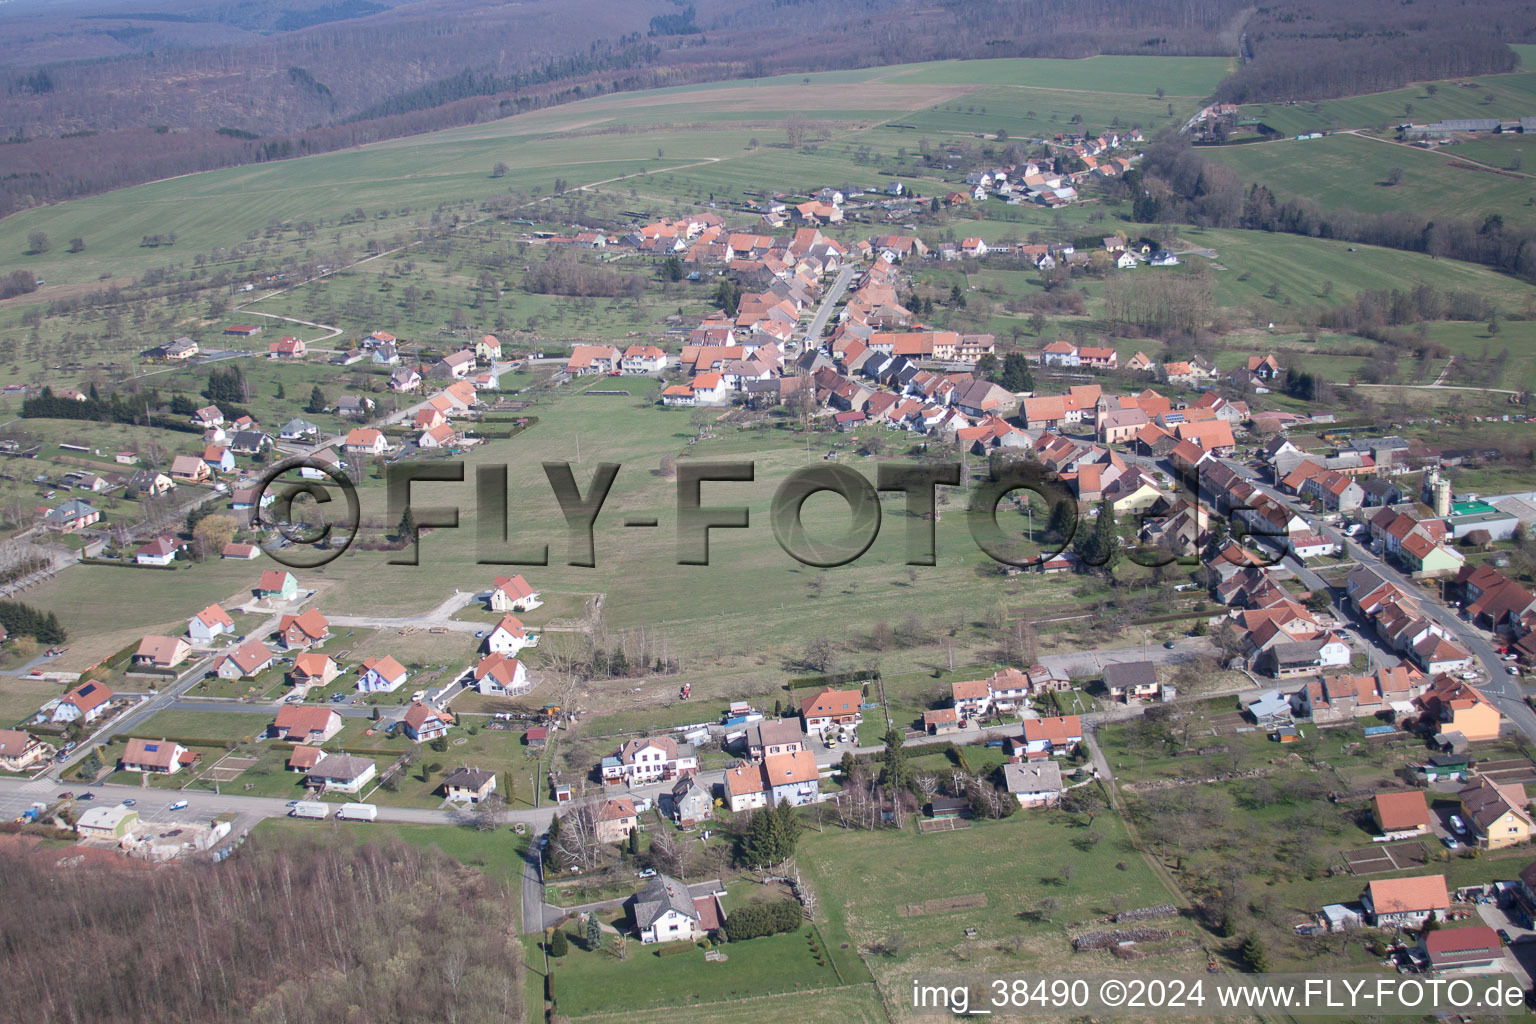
(19, 698)
(591, 983)
(586, 142)
(497, 854)
(1025, 884)
(1353, 172)
(1503, 96)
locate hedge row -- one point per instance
(118, 564)
(674, 948)
(833, 679)
(758, 919)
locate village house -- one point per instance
(159, 757)
(299, 724)
(1034, 783)
(72, 516)
(508, 637)
(666, 910)
(691, 802)
(161, 652)
(1055, 736)
(366, 441)
(249, 659)
(970, 698)
(313, 669)
(341, 773)
(189, 469)
(305, 630)
(832, 708)
(614, 819)
(643, 761)
(1405, 902)
(488, 349)
(1454, 706)
(513, 594)
(423, 722)
(1497, 813)
(1130, 680)
(209, 623)
(586, 359)
(84, 704)
(643, 359)
(744, 788)
(287, 348)
(498, 675)
(277, 583)
(791, 778)
(469, 784)
(1397, 813)
(380, 675)
(20, 750)
(774, 736)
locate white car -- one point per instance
(419, 695)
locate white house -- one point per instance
(792, 778)
(160, 551)
(1034, 783)
(423, 722)
(380, 675)
(508, 637)
(665, 911)
(341, 773)
(649, 760)
(513, 594)
(211, 622)
(745, 788)
(366, 441)
(500, 674)
(85, 703)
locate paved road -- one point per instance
(153, 804)
(824, 311)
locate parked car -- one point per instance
(1169, 645)
(1457, 825)
(129, 802)
(1451, 843)
(1512, 670)
(66, 795)
(646, 873)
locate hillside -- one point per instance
(95, 98)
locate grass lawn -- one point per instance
(865, 879)
(497, 854)
(588, 983)
(856, 1004)
(1349, 171)
(20, 698)
(205, 725)
(1502, 96)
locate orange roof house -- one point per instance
(1401, 812)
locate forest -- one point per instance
(290, 931)
(1320, 49)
